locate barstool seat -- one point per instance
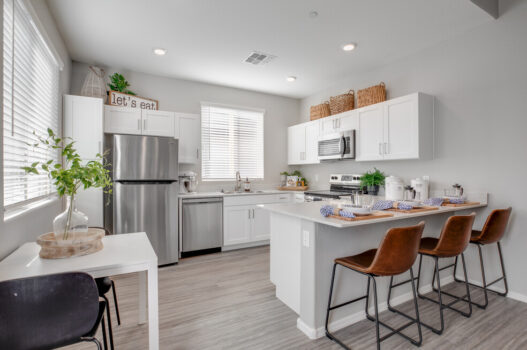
(395, 255)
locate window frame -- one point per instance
(238, 108)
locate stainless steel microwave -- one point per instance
(337, 146)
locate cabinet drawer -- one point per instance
(257, 199)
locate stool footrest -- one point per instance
(348, 302)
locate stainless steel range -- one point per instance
(340, 185)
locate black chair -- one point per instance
(104, 284)
(47, 312)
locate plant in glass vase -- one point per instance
(69, 176)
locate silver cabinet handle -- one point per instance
(144, 124)
(197, 153)
(139, 124)
(385, 148)
(380, 148)
(100, 147)
(249, 212)
(253, 214)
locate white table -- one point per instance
(121, 254)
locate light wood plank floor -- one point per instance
(226, 301)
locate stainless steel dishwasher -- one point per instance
(202, 225)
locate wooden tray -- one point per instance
(460, 205)
(294, 188)
(82, 244)
(374, 215)
(415, 210)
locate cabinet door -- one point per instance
(83, 122)
(189, 137)
(261, 227)
(121, 120)
(328, 125)
(158, 123)
(370, 136)
(237, 224)
(297, 140)
(312, 130)
(401, 128)
(350, 121)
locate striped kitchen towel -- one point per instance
(382, 205)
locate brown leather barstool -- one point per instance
(396, 255)
(452, 242)
(492, 232)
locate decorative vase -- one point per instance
(69, 222)
(373, 190)
(94, 84)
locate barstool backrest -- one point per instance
(455, 235)
(495, 226)
(398, 250)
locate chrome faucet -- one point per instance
(238, 185)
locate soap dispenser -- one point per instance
(247, 185)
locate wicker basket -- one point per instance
(320, 111)
(342, 103)
(371, 95)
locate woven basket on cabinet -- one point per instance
(319, 111)
(371, 95)
(342, 103)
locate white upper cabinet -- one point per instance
(369, 139)
(188, 131)
(302, 143)
(122, 120)
(83, 122)
(158, 123)
(340, 122)
(401, 128)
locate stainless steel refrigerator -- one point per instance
(145, 191)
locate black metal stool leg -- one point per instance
(110, 331)
(503, 272)
(116, 304)
(105, 340)
(440, 302)
(375, 301)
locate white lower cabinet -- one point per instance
(244, 222)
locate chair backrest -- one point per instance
(455, 235)
(495, 225)
(398, 250)
(46, 312)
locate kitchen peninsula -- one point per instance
(304, 245)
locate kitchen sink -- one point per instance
(242, 192)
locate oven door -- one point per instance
(337, 146)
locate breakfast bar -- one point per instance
(304, 245)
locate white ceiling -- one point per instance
(207, 40)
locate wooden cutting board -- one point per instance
(294, 188)
(460, 205)
(374, 215)
(414, 210)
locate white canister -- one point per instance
(394, 188)
(420, 186)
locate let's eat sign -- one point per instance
(120, 99)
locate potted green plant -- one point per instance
(68, 177)
(119, 83)
(372, 180)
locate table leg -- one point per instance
(153, 306)
(142, 296)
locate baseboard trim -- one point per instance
(344, 322)
(511, 294)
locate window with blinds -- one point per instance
(30, 104)
(231, 141)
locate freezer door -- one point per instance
(144, 158)
(150, 208)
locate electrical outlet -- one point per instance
(305, 239)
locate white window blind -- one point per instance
(231, 140)
(30, 103)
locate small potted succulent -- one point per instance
(68, 177)
(372, 180)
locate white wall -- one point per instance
(185, 96)
(479, 80)
(28, 226)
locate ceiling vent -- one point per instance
(259, 58)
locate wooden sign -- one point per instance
(120, 99)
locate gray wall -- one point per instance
(28, 226)
(479, 81)
(185, 96)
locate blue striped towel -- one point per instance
(405, 206)
(346, 213)
(382, 205)
(435, 202)
(456, 200)
(327, 210)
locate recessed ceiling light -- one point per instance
(313, 14)
(160, 52)
(349, 47)
(290, 79)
